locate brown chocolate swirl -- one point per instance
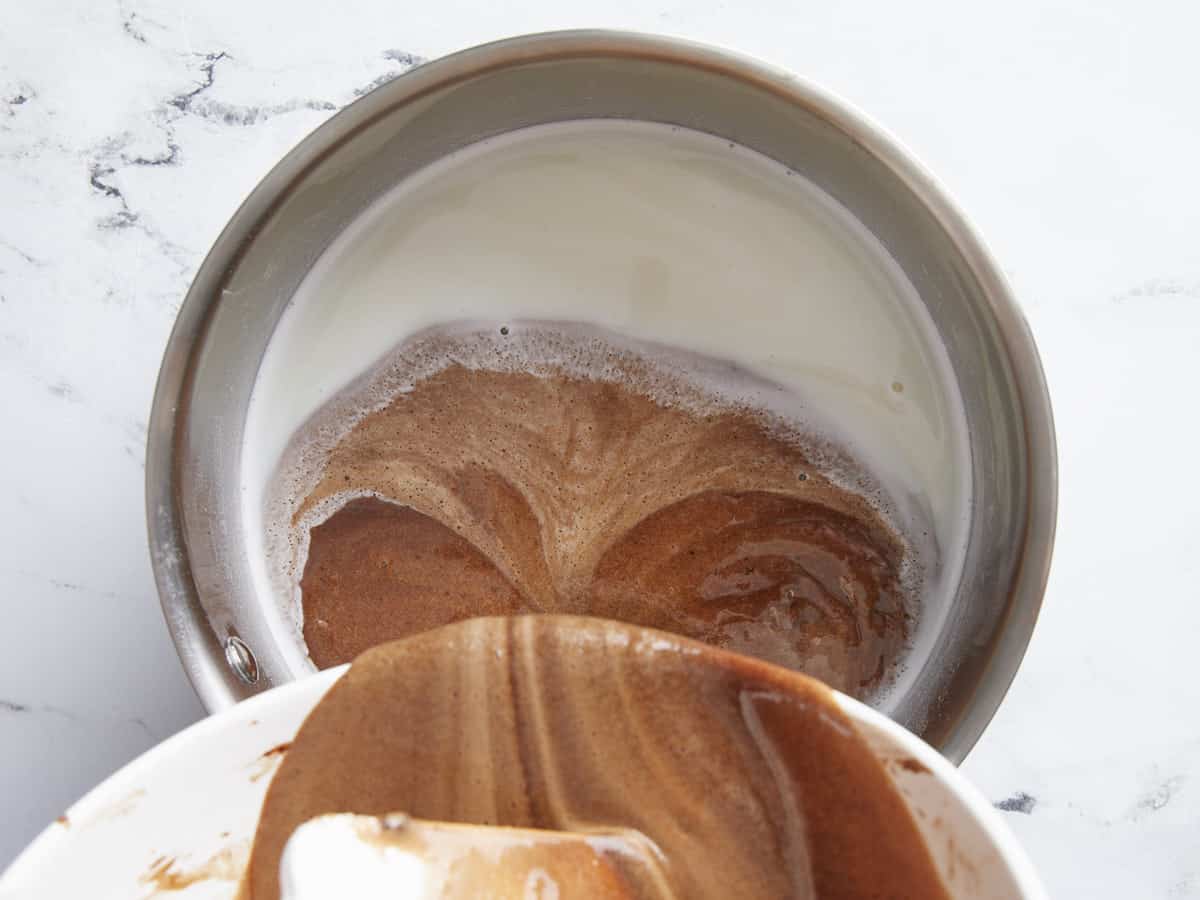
(494, 492)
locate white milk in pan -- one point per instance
(660, 234)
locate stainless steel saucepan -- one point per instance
(197, 536)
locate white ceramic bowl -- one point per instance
(180, 818)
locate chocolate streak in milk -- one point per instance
(747, 314)
(548, 470)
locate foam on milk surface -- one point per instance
(655, 232)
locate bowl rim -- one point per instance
(203, 653)
(298, 698)
(999, 834)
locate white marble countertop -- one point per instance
(1069, 131)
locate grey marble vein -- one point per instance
(9, 706)
(1019, 802)
(1160, 796)
(21, 254)
(406, 61)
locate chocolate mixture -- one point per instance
(742, 779)
(511, 492)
